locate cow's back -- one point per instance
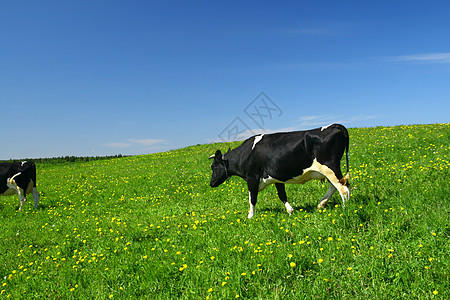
(285, 155)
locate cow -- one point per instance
(287, 157)
(20, 178)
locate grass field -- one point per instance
(151, 227)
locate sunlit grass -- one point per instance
(150, 226)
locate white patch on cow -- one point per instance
(288, 208)
(325, 127)
(265, 182)
(251, 212)
(308, 174)
(24, 162)
(317, 171)
(11, 183)
(257, 139)
(11, 180)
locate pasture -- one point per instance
(151, 227)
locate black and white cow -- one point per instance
(20, 178)
(287, 157)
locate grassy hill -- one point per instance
(151, 227)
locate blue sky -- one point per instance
(94, 78)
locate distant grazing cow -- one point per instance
(287, 157)
(20, 178)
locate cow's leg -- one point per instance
(342, 189)
(252, 197)
(35, 197)
(332, 174)
(327, 196)
(283, 197)
(22, 197)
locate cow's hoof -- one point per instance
(322, 204)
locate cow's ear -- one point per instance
(217, 154)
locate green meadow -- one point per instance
(151, 227)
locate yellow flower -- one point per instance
(292, 264)
(435, 292)
(223, 283)
(349, 268)
(330, 239)
(320, 260)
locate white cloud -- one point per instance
(146, 142)
(117, 145)
(134, 142)
(426, 57)
(312, 121)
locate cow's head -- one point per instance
(219, 168)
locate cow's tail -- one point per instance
(346, 179)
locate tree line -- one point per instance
(65, 159)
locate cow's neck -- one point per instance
(233, 163)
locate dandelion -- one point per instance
(349, 268)
(435, 292)
(320, 261)
(330, 239)
(292, 264)
(243, 274)
(223, 283)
